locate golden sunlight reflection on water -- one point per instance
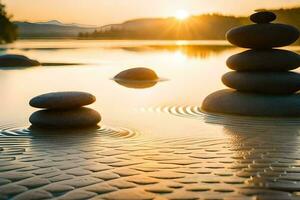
(192, 70)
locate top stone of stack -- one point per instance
(62, 100)
(262, 17)
(263, 34)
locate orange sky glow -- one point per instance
(101, 12)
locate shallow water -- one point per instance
(154, 142)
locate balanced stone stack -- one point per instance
(64, 110)
(262, 84)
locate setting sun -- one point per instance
(182, 15)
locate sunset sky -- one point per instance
(100, 12)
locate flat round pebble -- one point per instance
(161, 189)
(264, 60)
(77, 118)
(262, 36)
(261, 82)
(263, 17)
(101, 188)
(229, 101)
(12, 189)
(62, 100)
(34, 194)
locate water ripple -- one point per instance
(195, 112)
(15, 130)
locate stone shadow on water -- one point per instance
(62, 138)
(16, 68)
(76, 138)
(137, 85)
(265, 153)
(38, 131)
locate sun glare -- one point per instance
(182, 15)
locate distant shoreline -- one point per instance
(112, 39)
(128, 39)
(201, 27)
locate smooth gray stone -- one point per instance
(77, 118)
(264, 60)
(263, 82)
(137, 74)
(263, 17)
(62, 100)
(237, 103)
(262, 36)
(13, 60)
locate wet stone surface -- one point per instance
(238, 165)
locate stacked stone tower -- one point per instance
(64, 110)
(262, 83)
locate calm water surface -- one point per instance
(223, 153)
(193, 70)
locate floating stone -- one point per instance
(62, 100)
(13, 60)
(263, 82)
(263, 17)
(264, 60)
(263, 36)
(232, 102)
(137, 74)
(77, 118)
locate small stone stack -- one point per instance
(64, 110)
(262, 84)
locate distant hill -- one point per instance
(56, 22)
(202, 27)
(51, 29)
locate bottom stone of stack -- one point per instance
(229, 101)
(75, 118)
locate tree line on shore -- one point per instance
(8, 30)
(202, 27)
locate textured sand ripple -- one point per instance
(119, 163)
(69, 167)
